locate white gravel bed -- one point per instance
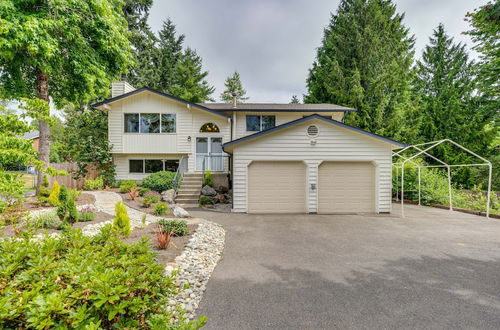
(195, 266)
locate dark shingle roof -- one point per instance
(31, 135)
(310, 117)
(318, 107)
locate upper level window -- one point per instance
(150, 123)
(256, 123)
(209, 128)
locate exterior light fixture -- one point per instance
(189, 138)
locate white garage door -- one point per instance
(346, 187)
(277, 187)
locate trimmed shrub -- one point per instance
(44, 191)
(86, 216)
(121, 222)
(127, 185)
(93, 184)
(208, 179)
(74, 193)
(143, 191)
(54, 194)
(150, 198)
(159, 181)
(161, 208)
(48, 220)
(178, 227)
(81, 282)
(205, 200)
(67, 209)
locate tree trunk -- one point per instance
(42, 91)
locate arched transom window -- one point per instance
(209, 128)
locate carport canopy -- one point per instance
(424, 149)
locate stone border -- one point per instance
(195, 266)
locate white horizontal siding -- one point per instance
(281, 118)
(332, 144)
(188, 123)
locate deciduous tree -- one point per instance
(69, 51)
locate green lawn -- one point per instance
(28, 182)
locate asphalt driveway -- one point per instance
(434, 269)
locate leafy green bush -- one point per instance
(127, 185)
(121, 221)
(161, 208)
(48, 220)
(11, 190)
(86, 216)
(150, 198)
(44, 189)
(74, 193)
(54, 194)
(208, 179)
(178, 227)
(80, 282)
(93, 184)
(159, 181)
(142, 191)
(205, 200)
(67, 209)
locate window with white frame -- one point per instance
(152, 165)
(257, 123)
(150, 123)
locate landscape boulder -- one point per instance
(168, 196)
(222, 189)
(208, 191)
(179, 212)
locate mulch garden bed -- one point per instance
(32, 203)
(137, 204)
(167, 255)
(8, 231)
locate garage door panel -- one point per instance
(346, 187)
(277, 187)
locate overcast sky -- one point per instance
(272, 43)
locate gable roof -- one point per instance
(277, 107)
(154, 91)
(31, 135)
(311, 117)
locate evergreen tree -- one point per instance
(446, 84)
(168, 54)
(295, 100)
(233, 85)
(365, 62)
(486, 35)
(189, 79)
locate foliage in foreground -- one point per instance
(81, 282)
(159, 181)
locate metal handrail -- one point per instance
(181, 169)
(204, 164)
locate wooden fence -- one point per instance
(68, 180)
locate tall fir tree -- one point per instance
(189, 79)
(446, 85)
(168, 54)
(365, 62)
(233, 85)
(485, 33)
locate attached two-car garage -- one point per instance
(341, 169)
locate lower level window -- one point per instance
(152, 165)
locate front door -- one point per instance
(209, 154)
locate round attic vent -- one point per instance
(312, 131)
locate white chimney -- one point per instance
(235, 99)
(121, 87)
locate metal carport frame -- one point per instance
(420, 150)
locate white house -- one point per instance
(281, 158)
